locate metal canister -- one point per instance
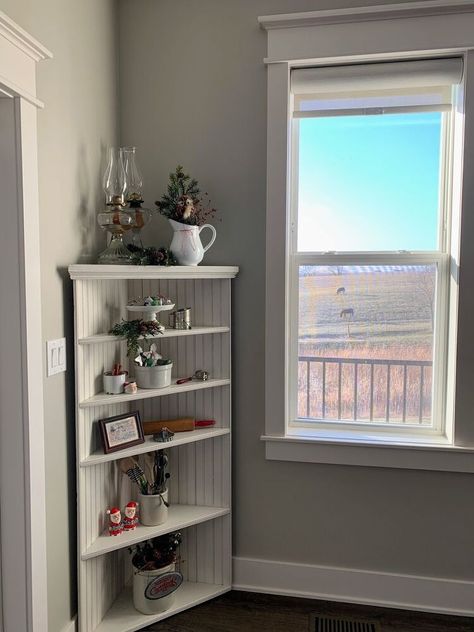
(181, 318)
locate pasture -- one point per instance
(362, 313)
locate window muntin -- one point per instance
(409, 171)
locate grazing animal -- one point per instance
(340, 290)
(347, 313)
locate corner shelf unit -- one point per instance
(200, 460)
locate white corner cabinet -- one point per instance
(199, 461)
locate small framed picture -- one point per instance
(121, 431)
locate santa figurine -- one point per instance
(115, 521)
(130, 520)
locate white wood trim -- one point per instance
(17, 36)
(179, 517)
(123, 616)
(180, 438)
(278, 152)
(71, 626)
(91, 271)
(371, 33)
(168, 333)
(391, 590)
(19, 53)
(364, 14)
(408, 31)
(379, 452)
(146, 393)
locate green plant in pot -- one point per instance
(133, 330)
(151, 369)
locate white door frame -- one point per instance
(22, 468)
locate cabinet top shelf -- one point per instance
(96, 271)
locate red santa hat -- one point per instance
(132, 504)
(114, 510)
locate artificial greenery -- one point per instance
(183, 201)
(156, 553)
(133, 329)
(151, 256)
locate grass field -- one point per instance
(366, 313)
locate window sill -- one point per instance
(438, 455)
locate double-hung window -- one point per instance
(370, 235)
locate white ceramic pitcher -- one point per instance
(186, 244)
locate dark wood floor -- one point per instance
(251, 612)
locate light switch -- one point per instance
(56, 356)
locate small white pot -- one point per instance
(150, 596)
(153, 376)
(153, 510)
(113, 384)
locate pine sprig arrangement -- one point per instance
(151, 256)
(156, 553)
(183, 201)
(133, 329)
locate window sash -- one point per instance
(440, 337)
(444, 213)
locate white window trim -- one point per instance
(429, 28)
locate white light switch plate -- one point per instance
(56, 356)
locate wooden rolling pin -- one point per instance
(176, 425)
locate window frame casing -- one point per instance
(348, 36)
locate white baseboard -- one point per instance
(71, 626)
(428, 594)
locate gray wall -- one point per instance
(78, 87)
(193, 91)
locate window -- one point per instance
(369, 259)
(369, 245)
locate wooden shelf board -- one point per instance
(123, 616)
(123, 272)
(145, 393)
(168, 333)
(179, 517)
(180, 438)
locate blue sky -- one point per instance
(369, 182)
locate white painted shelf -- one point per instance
(168, 333)
(179, 517)
(123, 616)
(199, 460)
(103, 399)
(180, 438)
(95, 271)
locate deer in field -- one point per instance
(340, 290)
(347, 313)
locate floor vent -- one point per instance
(317, 623)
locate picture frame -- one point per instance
(121, 431)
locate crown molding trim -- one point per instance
(366, 14)
(22, 40)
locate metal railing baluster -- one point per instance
(355, 390)
(404, 413)
(422, 376)
(324, 390)
(326, 394)
(387, 416)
